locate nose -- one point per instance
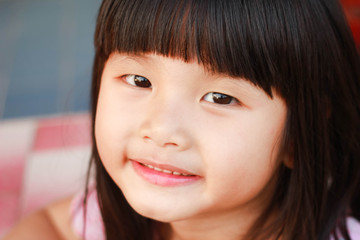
(165, 125)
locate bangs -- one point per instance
(237, 38)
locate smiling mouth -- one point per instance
(163, 175)
(166, 171)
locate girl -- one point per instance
(222, 120)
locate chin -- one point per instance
(159, 213)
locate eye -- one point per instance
(137, 81)
(220, 98)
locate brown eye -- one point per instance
(219, 98)
(138, 81)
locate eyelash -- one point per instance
(213, 97)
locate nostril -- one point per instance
(163, 135)
(160, 142)
(170, 144)
(146, 138)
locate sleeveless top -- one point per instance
(94, 228)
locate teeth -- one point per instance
(157, 169)
(149, 166)
(165, 171)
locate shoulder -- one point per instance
(52, 222)
(60, 216)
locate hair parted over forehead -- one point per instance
(302, 49)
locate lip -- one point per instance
(161, 178)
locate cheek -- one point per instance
(244, 156)
(115, 123)
(105, 140)
(240, 177)
(113, 116)
(109, 124)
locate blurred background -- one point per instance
(46, 55)
(46, 52)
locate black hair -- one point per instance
(302, 49)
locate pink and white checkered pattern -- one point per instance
(41, 160)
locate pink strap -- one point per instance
(94, 228)
(354, 228)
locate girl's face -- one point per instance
(184, 143)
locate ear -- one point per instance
(288, 156)
(288, 160)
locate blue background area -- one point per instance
(46, 54)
